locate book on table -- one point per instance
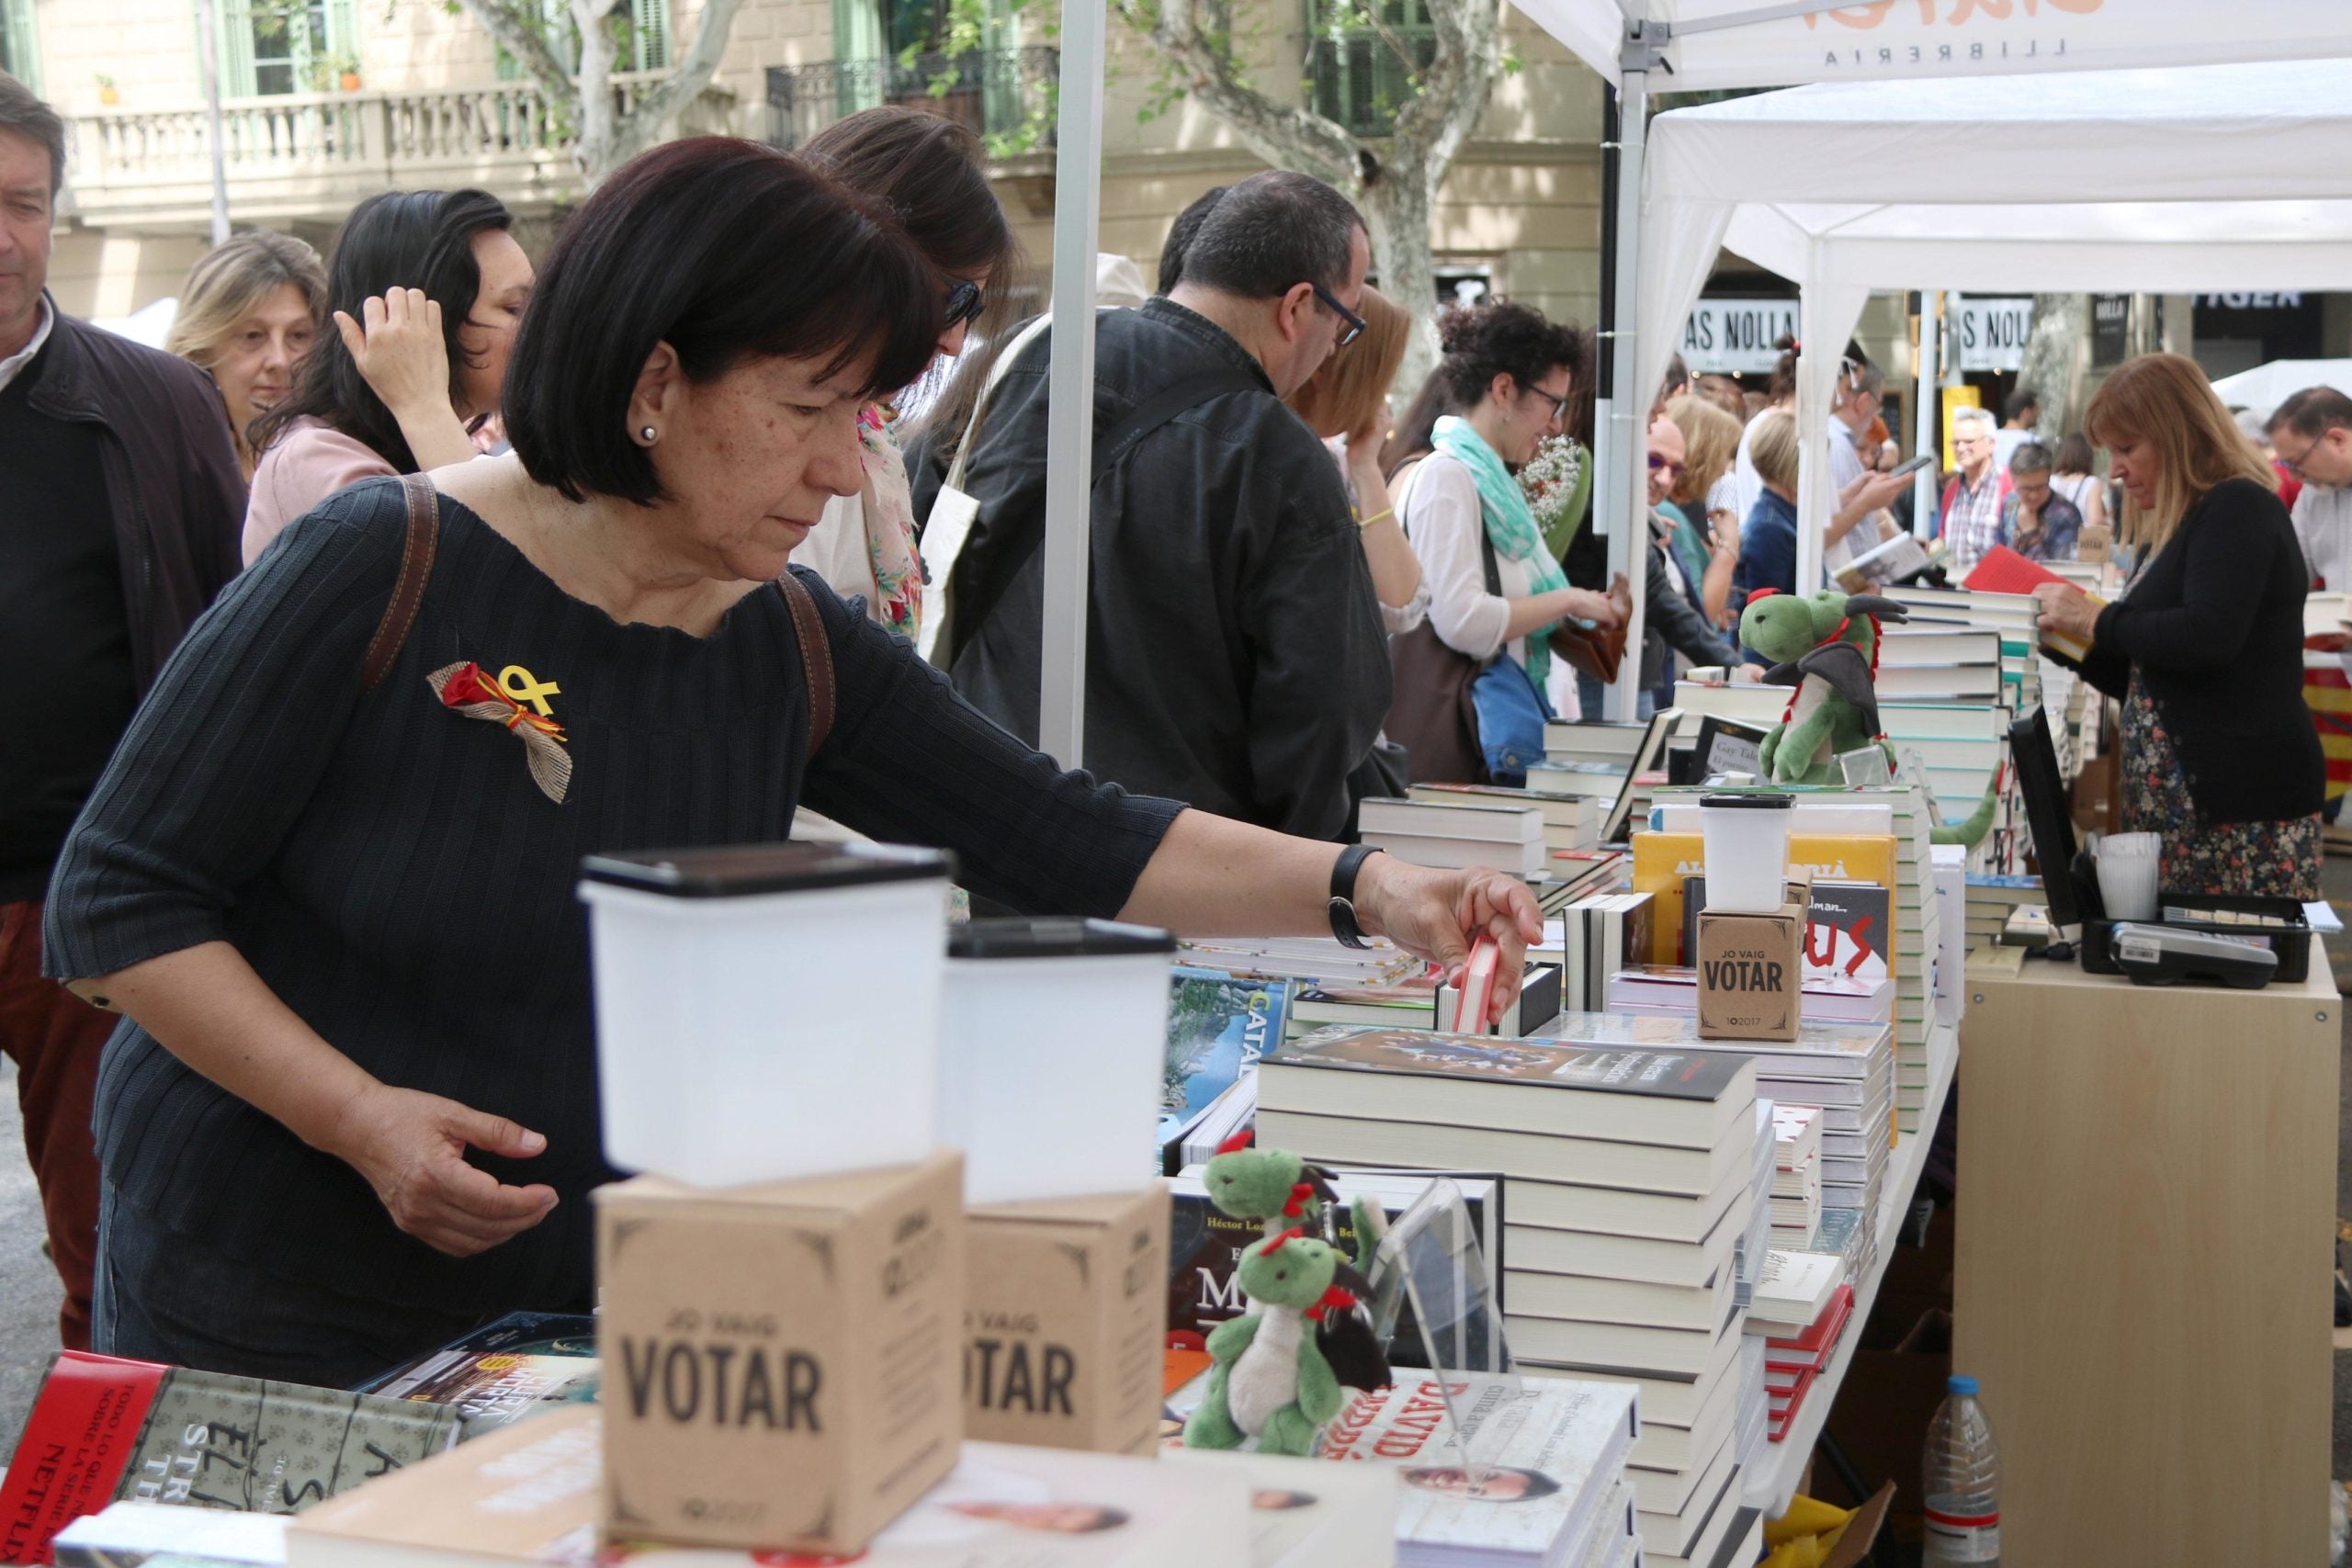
(1552, 1447)
(1828, 997)
(1218, 1023)
(103, 1429)
(131, 1534)
(1617, 1256)
(1571, 821)
(1794, 1292)
(513, 1367)
(1303, 1514)
(1820, 1050)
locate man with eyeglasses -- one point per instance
(1972, 500)
(1859, 522)
(1235, 659)
(2312, 436)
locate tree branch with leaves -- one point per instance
(1393, 180)
(608, 134)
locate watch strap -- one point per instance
(1343, 893)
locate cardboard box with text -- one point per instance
(1751, 973)
(1063, 1308)
(780, 1359)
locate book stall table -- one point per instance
(2147, 1180)
(1774, 1482)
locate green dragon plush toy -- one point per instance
(1269, 1377)
(1827, 647)
(1277, 1188)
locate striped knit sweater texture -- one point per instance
(391, 871)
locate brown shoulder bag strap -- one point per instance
(816, 657)
(408, 592)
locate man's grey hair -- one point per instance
(26, 115)
(2030, 457)
(1973, 416)
(1271, 233)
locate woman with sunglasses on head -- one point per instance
(927, 167)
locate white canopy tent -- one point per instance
(2208, 178)
(2267, 386)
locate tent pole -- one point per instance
(1604, 366)
(1627, 472)
(1069, 426)
(1929, 366)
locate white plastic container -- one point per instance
(2128, 867)
(1746, 846)
(768, 1011)
(1052, 1043)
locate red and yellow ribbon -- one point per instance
(465, 690)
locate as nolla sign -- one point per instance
(1992, 333)
(1734, 337)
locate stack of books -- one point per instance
(1940, 663)
(1571, 821)
(1627, 1177)
(1405, 1004)
(1455, 835)
(1325, 961)
(1847, 1073)
(1992, 901)
(1962, 750)
(1219, 1023)
(1797, 1177)
(1742, 702)
(1826, 998)
(1748, 1253)
(1792, 1362)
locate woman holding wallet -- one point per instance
(328, 876)
(2205, 648)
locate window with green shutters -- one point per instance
(19, 58)
(647, 47)
(273, 47)
(1359, 73)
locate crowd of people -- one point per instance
(297, 942)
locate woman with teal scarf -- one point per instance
(1505, 379)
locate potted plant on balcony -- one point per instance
(346, 69)
(107, 95)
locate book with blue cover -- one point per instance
(1219, 1023)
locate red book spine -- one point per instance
(78, 1441)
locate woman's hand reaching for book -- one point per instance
(412, 1148)
(1437, 915)
(2066, 611)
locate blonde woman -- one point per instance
(2205, 649)
(252, 307)
(1346, 403)
(1706, 536)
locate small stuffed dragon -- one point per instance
(1269, 1377)
(1827, 647)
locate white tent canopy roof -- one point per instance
(2267, 386)
(1876, 40)
(2158, 181)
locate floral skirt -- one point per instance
(2275, 859)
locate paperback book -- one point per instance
(517, 1366)
(1219, 1024)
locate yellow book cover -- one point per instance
(1662, 859)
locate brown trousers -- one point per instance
(54, 1038)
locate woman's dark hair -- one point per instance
(927, 167)
(411, 239)
(2073, 455)
(1494, 337)
(679, 245)
(1179, 236)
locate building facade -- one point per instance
(327, 101)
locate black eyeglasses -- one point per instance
(1354, 324)
(963, 303)
(1559, 404)
(2294, 464)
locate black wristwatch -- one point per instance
(1343, 893)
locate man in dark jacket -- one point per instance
(123, 507)
(1235, 657)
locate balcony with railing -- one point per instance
(1007, 95)
(311, 155)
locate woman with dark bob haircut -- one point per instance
(426, 288)
(353, 1108)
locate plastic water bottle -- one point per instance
(1961, 1485)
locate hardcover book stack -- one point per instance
(1961, 748)
(1628, 1177)
(1749, 1251)
(1940, 663)
(1457, 834)
(1846, 1073)
(1992, 901)
(1571, 821)
(1828, 997)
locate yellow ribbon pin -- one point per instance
(525, 687)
